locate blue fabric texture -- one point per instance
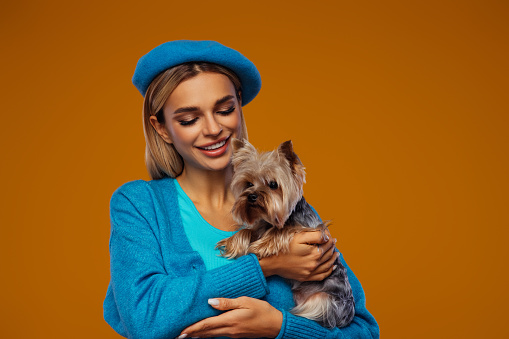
(159, 285)
(177, 52)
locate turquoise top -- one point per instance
(202, 236)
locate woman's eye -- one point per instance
(273, 185)
(228, 111)
(187, 122)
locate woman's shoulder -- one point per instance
(131, 186)
(145, 191)
(141, 186)
(150, 198)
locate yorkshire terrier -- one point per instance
(271, 209)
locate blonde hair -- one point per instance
(161, 158)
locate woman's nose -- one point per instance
(212, 127)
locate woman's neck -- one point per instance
(209, 188)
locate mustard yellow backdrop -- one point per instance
(398, 110)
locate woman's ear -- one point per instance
(160, 129)
(239, 97)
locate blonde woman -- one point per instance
(167, 280)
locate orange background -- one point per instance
(398, 109)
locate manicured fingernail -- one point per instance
(334, 267)
(182, 336)
(213, 302)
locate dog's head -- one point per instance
(265, 185)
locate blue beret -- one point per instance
(177, 52)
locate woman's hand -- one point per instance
(311, 258)
(246, 318)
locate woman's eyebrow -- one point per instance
(223, 99)
(186, 109)
(194, 108)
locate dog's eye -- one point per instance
(249, 184)
(273, 185)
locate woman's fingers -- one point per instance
(246, 317)
(319, 275)
(224, 304)
(329, 251)
(327, 264)
(326, 256)
(312, 242)
(313, 237)
(206, 327)
(324, 252)
(310, 253)
(324, 269)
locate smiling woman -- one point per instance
(201, 115)
(167, 278)
(162, 159)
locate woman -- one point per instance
(166, 278)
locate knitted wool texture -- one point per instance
(159, 285)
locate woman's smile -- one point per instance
(216, 148)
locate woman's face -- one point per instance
(202, 114)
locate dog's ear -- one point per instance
(286, 150)
(242, 151)
(237, 144)
(242, 145)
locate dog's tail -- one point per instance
(328, 310)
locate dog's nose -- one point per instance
(252, 197)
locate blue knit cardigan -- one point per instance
(159, 284)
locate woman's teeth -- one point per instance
(215, 146)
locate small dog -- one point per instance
(270, 206)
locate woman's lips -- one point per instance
(216, 148)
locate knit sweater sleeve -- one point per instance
(151, 299)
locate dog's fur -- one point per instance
(271, 209)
